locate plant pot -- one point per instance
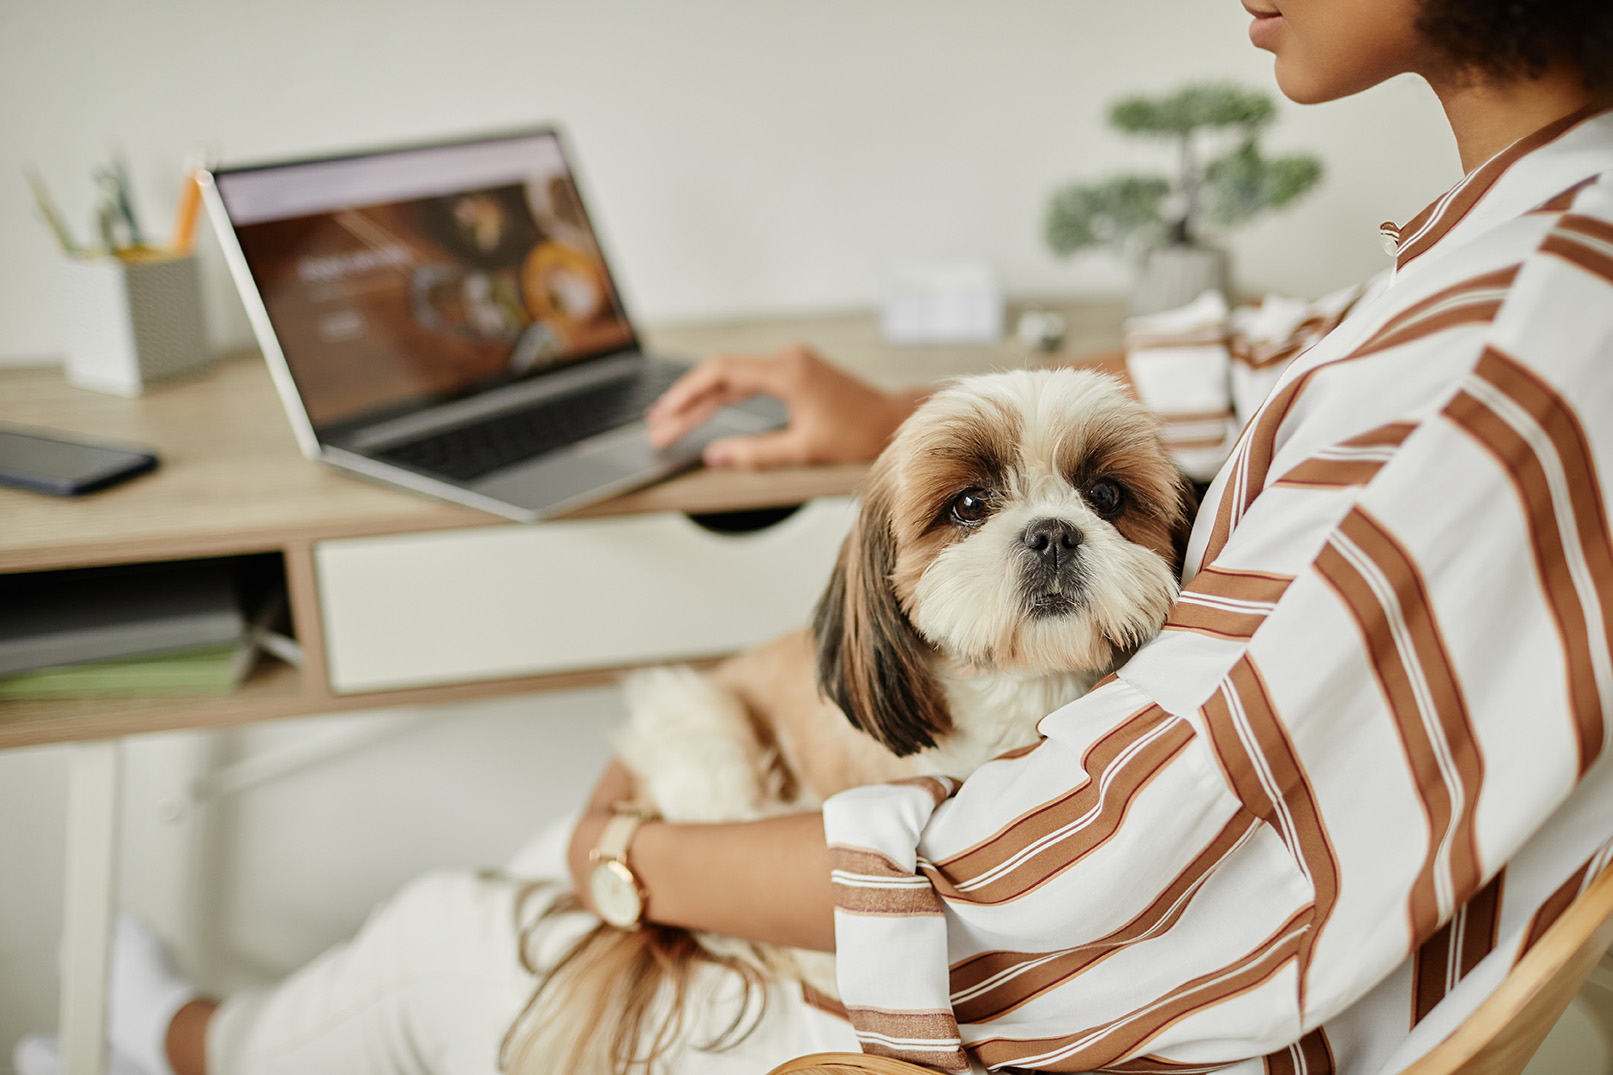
(1175, 275)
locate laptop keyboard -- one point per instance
(465, 453)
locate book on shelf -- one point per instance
(212, 669)
(54, 618)
(198, 670)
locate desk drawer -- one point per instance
(467, 605)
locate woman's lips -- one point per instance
(1265, 27)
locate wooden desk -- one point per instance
(232, 483)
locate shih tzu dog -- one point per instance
(1018, 538)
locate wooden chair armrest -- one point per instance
(848, 1064)
(1503, 1032)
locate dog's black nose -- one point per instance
(1053, 540)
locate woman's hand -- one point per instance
(833, 416)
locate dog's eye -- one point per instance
(970, 506)
(1106, 496)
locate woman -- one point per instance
(1316, 820)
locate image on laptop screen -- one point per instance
(398, 280)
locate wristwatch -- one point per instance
(614, 886)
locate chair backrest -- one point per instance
(1504, 1031)
(1497, 1039)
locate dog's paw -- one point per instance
(692, 746)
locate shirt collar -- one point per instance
(1483, 185)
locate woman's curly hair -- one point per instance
(1508, 38)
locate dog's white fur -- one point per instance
(970, 657)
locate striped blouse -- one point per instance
(1312, 824)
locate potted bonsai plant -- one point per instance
(1222, 179)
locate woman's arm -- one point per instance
(762, 880)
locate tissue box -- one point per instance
(943, 302)
(127, 324)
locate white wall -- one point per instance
(743, 157)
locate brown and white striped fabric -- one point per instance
(1204, 369)
(1311, 825)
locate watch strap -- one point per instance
(618, 834)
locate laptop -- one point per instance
(442, 318)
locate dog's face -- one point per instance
(1026, 522)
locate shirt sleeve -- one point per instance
(1204, 368)
(1278, 799)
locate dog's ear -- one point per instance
(871, 662)
(1188, 495)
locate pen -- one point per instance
(197, 166)
(113, 211)
(106, 224)
(190, 202)
(120, 190)
(47, 209)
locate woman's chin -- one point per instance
(1301, 85)
(1306, 82)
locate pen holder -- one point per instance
(127, 324)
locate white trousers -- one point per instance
(433, 980)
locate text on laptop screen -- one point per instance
(401, 279)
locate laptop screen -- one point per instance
(402, 279)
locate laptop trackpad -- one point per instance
(584, 472)
(615, 462)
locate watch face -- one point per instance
(615, 893)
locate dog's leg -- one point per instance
(693, 747)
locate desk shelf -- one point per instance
(275, 690)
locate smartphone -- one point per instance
(46, 462)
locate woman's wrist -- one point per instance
(759, 880)
(615, 785)
(579, 855)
